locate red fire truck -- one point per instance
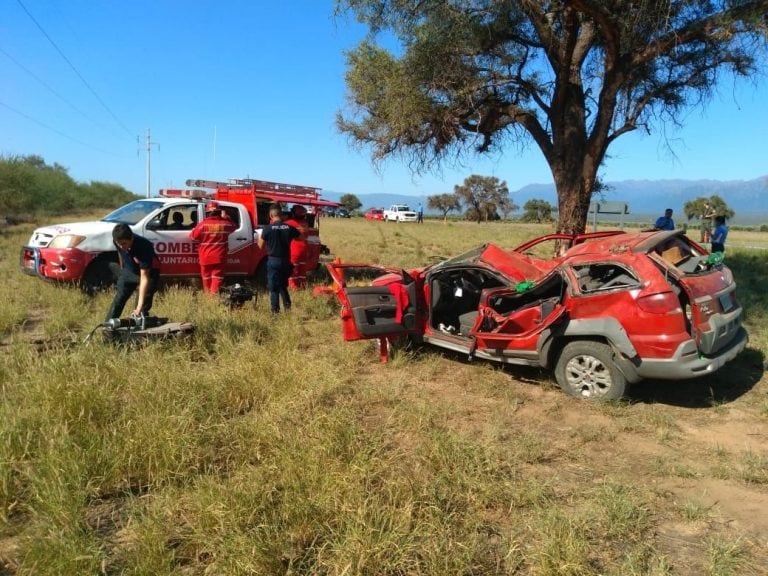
(81, 252)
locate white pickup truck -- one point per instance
(80, 252)
(400, 213)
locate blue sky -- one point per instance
(235, 89)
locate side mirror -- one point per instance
(153, 225)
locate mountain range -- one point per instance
(646, 198)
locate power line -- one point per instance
(53, 91)
(75, 70)
(59, 132)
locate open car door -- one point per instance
(383, 308)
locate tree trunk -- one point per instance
(573, 205)
(573, 168)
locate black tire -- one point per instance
(98, 276)
(586, 369)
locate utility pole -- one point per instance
(149, 163)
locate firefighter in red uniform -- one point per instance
(212, 234)
(298, 219)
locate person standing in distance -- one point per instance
(277, 237)
(665, 222)
(420, 214)
(138, 266)
(719, 234)
(212, 235)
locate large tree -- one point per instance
(571, 76)
(695, 209)
(444, 203)
(482, 195)
(350, 202)
(537, 210)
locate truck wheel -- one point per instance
(586, 369)
(98, 276)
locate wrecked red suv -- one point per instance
(614, 308)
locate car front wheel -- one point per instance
(586, 369)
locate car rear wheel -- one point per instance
(586, 369)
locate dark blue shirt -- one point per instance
(278, 239)
(664, 223)
(140, 256)
(719, 234)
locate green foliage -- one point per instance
(28, 185)
(711, 207)
(537, 210)
(459, 78)
(350, 202)
(444, 203)
(483, 195)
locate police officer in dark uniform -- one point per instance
(138, 267)
(277, 236)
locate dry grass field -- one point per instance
(268, 445)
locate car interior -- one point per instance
(595, 277)
(455, 294)
(175, 218)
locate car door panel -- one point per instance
(374, 310)
(382, 310)
(503, 326)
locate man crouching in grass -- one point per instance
(138, 266)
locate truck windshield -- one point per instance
(132, 213)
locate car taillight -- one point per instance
(664, 303)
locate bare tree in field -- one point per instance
(569, 76)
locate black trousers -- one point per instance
(278, 271)
(127, 282)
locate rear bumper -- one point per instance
(62, 265)
(687, 361)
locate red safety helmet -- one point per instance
(212, 206)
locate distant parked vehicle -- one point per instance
(337, 212)
(375, 214)
(400, 213)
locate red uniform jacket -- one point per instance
(298, 245)
(212, 234)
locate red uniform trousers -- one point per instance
(212, 234)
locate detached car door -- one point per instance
(385, 307)
(510, 323)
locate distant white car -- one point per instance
(400, 213)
